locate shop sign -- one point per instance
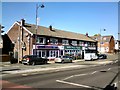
(93, 48)
(61, 47)
(90, 48)
(73, 47)
(47, 47)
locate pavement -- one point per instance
(7, 68)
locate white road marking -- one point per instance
(109, 69)
(94, 72)
(80, 74)
(24, 74)
(74, 76)
(68, 77)
(75, 84)
(116, 84)
(116, 61)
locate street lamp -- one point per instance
(101, 38)
(37, 7)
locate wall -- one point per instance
(13, 34)
(112, 45)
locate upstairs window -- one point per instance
(53, 41)
(65, 42)
(40, 40)
(74, 42)
(104, 38)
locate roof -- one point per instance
(55, 32)
(104, 38)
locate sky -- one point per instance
(78, 17)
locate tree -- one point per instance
(97, 34)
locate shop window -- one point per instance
(62, 52)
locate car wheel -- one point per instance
(33, 63)
(62, 61)
(70, 61)
(45, 62)
(91, 59)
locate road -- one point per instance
(96, 77)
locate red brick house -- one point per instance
(106, 44)
(46, 42)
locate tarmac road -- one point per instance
(96, 77)
(7, 68)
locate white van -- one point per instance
(90, 56)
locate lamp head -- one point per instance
(42, 6)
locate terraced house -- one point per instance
(47, 41)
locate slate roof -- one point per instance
(57, 33)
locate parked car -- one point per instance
(63, 59)
(13, 60)
(33, 59)
(102, 56)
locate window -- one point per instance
(104, 38)
(65, 42)
(40, 40)
(74, 42)
(95, 38)
(82, 43)
(53, 41)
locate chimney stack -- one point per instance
(50, 27)
(87, 34)
(22, 22)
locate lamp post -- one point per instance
(101, 38)
(37, 7)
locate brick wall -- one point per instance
(110, 45)
(16, 32)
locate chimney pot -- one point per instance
(50, 27)
(22, 22)
(86, 34)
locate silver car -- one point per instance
(63, 59)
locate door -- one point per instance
(43, 53)
(82, 54)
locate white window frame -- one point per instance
(51, 41)
(44, 39)
(74, 42)
(65, 42)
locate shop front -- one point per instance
(72, 50)
(49, 51)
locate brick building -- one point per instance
(46, 42)
(106, 44)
